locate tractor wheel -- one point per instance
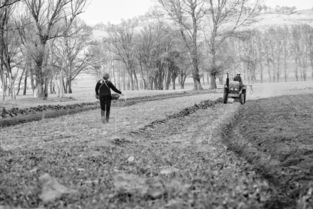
(242, 98)
(225, 97)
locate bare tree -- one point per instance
(100, 57)
(7, 3)
(146, 43)
(309, 39)
(9, 48)
(52, 19)
(188, 15)
(121, 42)
(71, 53)
(284, 32)
(296, 49)
(224, 18)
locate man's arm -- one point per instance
(111, 85)
(97, 87)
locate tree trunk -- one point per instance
(182, 80)
(208, 78)
(142, 76)
(285, 69)
(25, 83)
(196, 75)
(2, 84)
(304, 66)
(4, 87)
(40, 78)
(213, 81)
(63, 87)
(68, 86)
(136, 80)
(70, 90)
(269, 70)
(182, 83)
(124, 79)
(261, 71)
(131, 79)
(174, 76)
(19, 83)
(32, 81)
(195, 57)
(296, 70)
(168, 80)
(278, 69)
(113, 72)
(52, 87)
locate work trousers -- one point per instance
(105, 104)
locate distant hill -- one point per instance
(98, 31)
(272, 19)
(261, 22)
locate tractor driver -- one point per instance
(238, 78)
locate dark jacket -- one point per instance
(103, 89)
(238, 78)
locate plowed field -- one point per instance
(276, 136)
(172, 153)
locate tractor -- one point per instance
(235, 89)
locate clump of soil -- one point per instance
(15, 111)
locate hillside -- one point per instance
(261, 22)
(274, 19)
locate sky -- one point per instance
(104, 11)
(114, 10)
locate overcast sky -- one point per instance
(114, 10)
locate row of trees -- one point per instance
(179, 38)
(152, 53)
(275, 54)
(210, 44)
(46, 46)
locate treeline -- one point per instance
(276, 54)
(154, 54)
(142, 55)
(176, 40)
(45, 46)
(41, 42)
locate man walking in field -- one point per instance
(103, 93)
